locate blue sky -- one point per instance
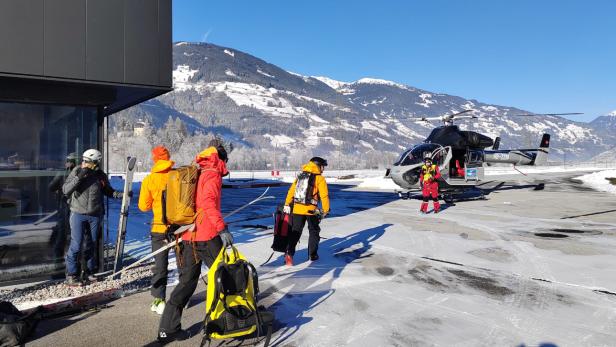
(542, 55)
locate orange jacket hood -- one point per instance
(312, 168)
(162, 165)
(208, 159)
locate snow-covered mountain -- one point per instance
(606, 126)
(268, 107)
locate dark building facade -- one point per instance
(64, 66)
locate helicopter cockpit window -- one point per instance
(416, 154)
(402, 157)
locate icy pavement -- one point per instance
(522, 267)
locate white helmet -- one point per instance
(92, 155)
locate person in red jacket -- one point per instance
(202, 244)
(427, 178)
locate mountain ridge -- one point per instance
(269, 108)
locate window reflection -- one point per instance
(35, 141)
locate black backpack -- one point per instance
(15, 326)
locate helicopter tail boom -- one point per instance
(534, 156)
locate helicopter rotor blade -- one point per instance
(459, 113)
(546, 114)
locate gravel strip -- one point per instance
(132, 281)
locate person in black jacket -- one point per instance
(85, 188)
(62, 229)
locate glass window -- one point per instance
(35, 141)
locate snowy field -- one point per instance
(523, 267)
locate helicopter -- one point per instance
(461, 156)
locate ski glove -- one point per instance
(226, 237)
(83, 173)
(120, 195)
(286, 209)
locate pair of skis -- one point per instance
(128, 187)
(183, 229)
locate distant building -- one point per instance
(139, 128)
(64, 66)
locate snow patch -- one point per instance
(259, 97)
(231, 53)
(181, 43)
(380, 183)
(381, 82)
(296, 74)
(265, 73)
(598, 181)
(230, 73)
(426, 102)
(376, 126)
(366, 144)
(331, 82)
(181, 76)
(279, 140)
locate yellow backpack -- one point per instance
(179, 196)
(231, 301)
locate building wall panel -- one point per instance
(141, 42)
(105, 40)
(21, 36)
(165, 46)
(65, 38)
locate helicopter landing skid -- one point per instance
(405, 194)
(451, 198)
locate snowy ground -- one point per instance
(601, 180)
(523, 267)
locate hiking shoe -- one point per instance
(158, 306)
(288, 260)
(90, 277)
(314, 257)
(73, 281)
(165, 337)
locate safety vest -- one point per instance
(428, 171)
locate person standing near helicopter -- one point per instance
(429, 186)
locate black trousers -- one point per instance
(314, 229)
(161, 262)
(190, 270)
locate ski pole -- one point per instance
(185, 228)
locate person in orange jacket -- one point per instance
(428, 178)
(150, 198)
(201, 245)
(305, 207)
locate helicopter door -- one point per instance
(473, 168)
(442, 157)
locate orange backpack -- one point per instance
(179, 197)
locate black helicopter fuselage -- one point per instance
(459, 140)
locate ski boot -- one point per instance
(73, 281)
(158, 306)
(288, 260)
(437, 207)
(314, 257)
(424, 208)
